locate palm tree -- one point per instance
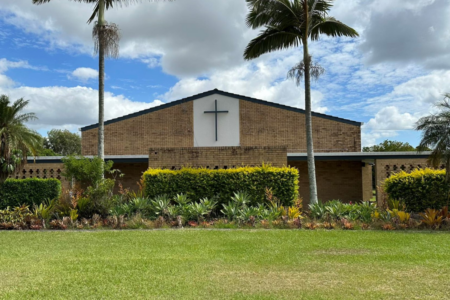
(436, 135)
(16, 140)
(106, 39)
(291, 23)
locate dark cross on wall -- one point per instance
(216, 112)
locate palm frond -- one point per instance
(297, 72)
(331, 27)
(271, 40)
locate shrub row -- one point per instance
(204, 183)
(16, 192)
(419, 190)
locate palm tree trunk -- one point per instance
(309, 134)
(101, 84)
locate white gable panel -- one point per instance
(227, 123)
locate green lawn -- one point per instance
(214, 264)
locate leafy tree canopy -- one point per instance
(61, 142)
(390, 146)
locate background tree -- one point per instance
(16, 140)
(390, 146)
(291, 23)
(63, 142)
(436, 135)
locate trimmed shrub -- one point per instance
(223, 183)
(16, 192)
(419, 190)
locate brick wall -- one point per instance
(263, 125)
(132, 174)
(43, 171)
(340, 180)
(260, 125)
(216, 157)
(367, 187)
(169, 127)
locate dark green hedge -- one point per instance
(201, 183)
(16, 192)
(419, 190)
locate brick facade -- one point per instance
(43, 171)
(216, 157)
(263, 125)
(336, 180)
(260, 125)
(168, 127)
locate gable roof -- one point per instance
(231, 95)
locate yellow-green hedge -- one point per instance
(201, 183)
(420, 189)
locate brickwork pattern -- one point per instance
(336, 180)
(43, 171)
(263, 125)
(132, 175)
(367, 182)
(168, 127)
(216, 157)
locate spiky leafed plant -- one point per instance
(436, 135)
(16, 140)
(291, 23)
(106, 39)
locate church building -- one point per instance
(218, 129)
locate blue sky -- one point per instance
(388, 78)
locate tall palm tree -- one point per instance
(436, 135)
(16, 140)
(291, 23)
(106, 39)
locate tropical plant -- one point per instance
(432, 218)
(317, 210)
(182, 199)
(293, 213)
(290, 23)
(44, 210)
(230, 211)
(16, 140)
(436, 135)
(198, 211)
(160, 205)
(241, 199)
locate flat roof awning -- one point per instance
(359, 156)
(114, 158)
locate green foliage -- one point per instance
(336, 210)
(16, 139)
(390, 146)
(17, 192)
(436, 135)
(221, 185)
(100, 198)
(418, 190)
(86, 171)
(44, 210)
(63, 142)
(20, 215)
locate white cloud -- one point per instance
(185, 37)
(264, 79)
(64, 107)
(389, 118)
(84, 74)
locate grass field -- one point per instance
(221, 264)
